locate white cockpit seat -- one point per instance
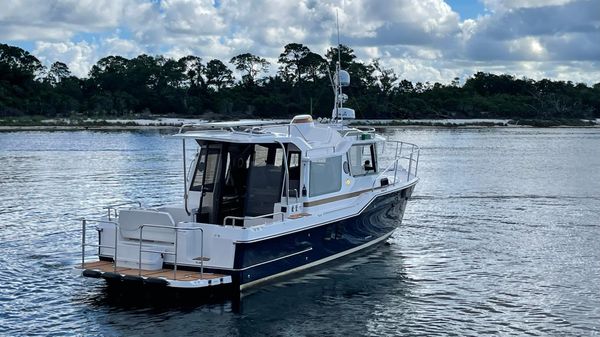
(130, 221)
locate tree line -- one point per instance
(189, 86)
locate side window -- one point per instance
(206, 170)
(294, 170)
(362, 160)
(325, 176)
(294, 159)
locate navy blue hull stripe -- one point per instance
(255, 261)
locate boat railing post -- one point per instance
(83, 243)
(116, 236)
(410, 161)
(140, 252)
(396, 163)
(287, 174)
(202, 253)
(417, 163)
(175, 261)
(185, 192)
(395, 170)
(401, 145)
(296, 192)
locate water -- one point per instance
(500, 238)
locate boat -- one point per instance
(261, 199)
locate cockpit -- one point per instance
(241, 180)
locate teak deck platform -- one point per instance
(178, 279)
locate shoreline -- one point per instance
(175, 127)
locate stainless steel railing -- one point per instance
(84, 244)
(404, 151)
(176, 229)
(114, 207)
(234, 218)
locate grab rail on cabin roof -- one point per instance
(358, 130)
(263, 130)
(228, 125)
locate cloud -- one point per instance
(57, 20)
(558, 32)
(573, 17)
(505, 5)
(424, 40)
(80, 57)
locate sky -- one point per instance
(422, 40)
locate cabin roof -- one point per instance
(320, 140)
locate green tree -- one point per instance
(386, 77)
(251, 65)
(58, 72)
(313, 66)
(218, 75)
(193, 69)
(291, 61)
(346, 57)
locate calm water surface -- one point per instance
(501, 237)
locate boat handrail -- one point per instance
(260, 130)
(176, 229)
(263, 130)
(84, 223)
(114, 207)
(412, 158)
(387, 169)
(229, 125)
(297, 194)
(287, 173)
(234, 218)
(358, 130)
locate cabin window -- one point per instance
(325, 176)
(362, 159)
(294, 170)
(206, 170)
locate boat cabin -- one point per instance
(241, 179)
(263, 172)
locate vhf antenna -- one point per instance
(337, 23)
(338, 67)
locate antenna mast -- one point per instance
(338, 67)
(341, 79)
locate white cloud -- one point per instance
(58, 19)
(505, 5)
(78, 56)
(424, 40)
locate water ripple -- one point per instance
(491, 244)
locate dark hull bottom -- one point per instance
(260, 261)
